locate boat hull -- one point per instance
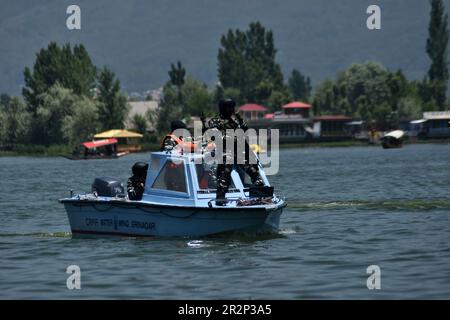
(94, 157)
(143, 220)
(392, 146)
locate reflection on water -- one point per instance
(348, 208)
(389, 205)
(39, 234)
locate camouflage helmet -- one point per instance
(226, 108)
(139, 169)
(177, 124)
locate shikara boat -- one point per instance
(99, 149)
(393, 140)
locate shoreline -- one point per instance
(58, 151)
(352, 143)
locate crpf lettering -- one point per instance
(124, 223)
(106, 222)
(143, 225)
(91, 221)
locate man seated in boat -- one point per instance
(136, 183)
(171, 141)
(229, 119)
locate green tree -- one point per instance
(437, 49)
(196, 99)
(369, 92)
(14, 123)
(83, 123)
(4, 100)
(170, 109)
(2, 126)
(55, 105)
(181, 100)
(222, 93)
(368, 81)
(300, 86)
(327, 98)
(152, 118)
(177, 74)
(383, 116)
(409, 107)
(139, 123)
(399, 87)
(247, 63)
(72, 69)
(278, 98)
(112, 103)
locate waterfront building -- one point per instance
(438, 124)
(295, 123)
(433, 125)
(297, 108)
(252, 111)
(332, 128)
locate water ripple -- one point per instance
(348, 208)
(389, 205)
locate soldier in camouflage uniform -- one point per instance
(228, 119)
(170, 141)
(136, 183)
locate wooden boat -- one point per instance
(99, 149)
(127, 141)
(393, 140)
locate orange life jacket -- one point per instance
(187, 146)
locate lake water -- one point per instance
(349, 208)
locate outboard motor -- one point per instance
(108, 187)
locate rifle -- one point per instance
(242, 124)
(203, 120)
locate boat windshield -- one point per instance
(207, 178)
(172, 177)
(245, 178)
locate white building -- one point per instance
(433, 125)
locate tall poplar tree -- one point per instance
(437, 49)
(247, 63)
(112, 107)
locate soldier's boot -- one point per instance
(253, 171)
(220, 198)
(223, 183)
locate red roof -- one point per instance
(296, 105)
(99, 143)
(252, 107)
(269, 116)
(333, 118)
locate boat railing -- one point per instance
(210, 191)
(241, 202)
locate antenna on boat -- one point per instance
(202, 118)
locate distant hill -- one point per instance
(139, 39)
